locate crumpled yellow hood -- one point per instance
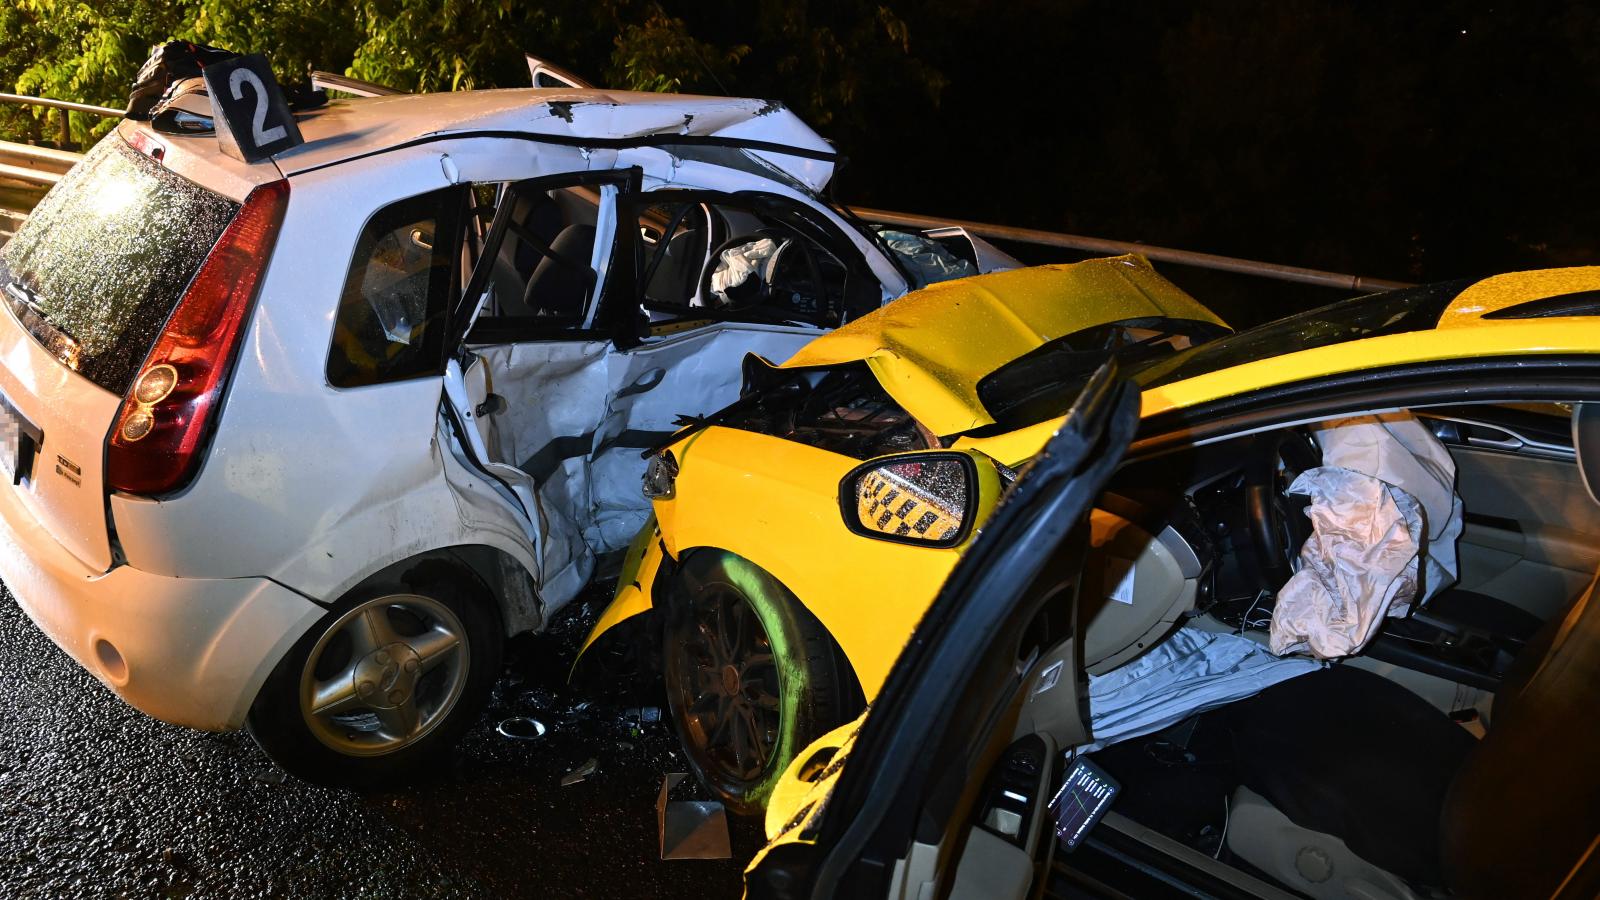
(930, 348)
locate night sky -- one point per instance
(1410, 141)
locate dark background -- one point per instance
(1399, 140)
(1409, 141)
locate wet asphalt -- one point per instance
(99, 800)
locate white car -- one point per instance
(295, 445)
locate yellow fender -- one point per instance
(776, 502)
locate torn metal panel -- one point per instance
(575, 415)
(346, 130)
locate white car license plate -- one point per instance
(19, 438)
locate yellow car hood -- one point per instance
(930, 348)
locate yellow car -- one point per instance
(757, 508)
(954, 783)
(786, 623)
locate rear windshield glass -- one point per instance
(102, 261)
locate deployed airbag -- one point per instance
(738, 265)
(1385, 518)
(1187, 674)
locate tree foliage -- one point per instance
(72, 50)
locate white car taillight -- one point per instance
(155, 444)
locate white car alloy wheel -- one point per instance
(384, 674)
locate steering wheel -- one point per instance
(1278, 525)
(764, 289)
(764, 295)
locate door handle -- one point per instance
(643, 383)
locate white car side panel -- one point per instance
(313, 486)
(75, 415)
(323, 486)
(191, 651)
(577, 415)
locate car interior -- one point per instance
(543, 267)
(744, 258)
(1433, 762)
(699, 257)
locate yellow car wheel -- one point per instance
(751, 677)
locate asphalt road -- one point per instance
(99, 800)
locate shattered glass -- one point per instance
(103, 260)
(930, 261)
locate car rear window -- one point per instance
(104, 258)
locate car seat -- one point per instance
(1354, 787)
(560, 283)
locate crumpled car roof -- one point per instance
(345, 129)
(930, 348)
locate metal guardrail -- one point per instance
(69, 105)
(34, 165)
(1154, 253)
(331, 81)
(44, 167)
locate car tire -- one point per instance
(751, 676)
(384, 683)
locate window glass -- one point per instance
(392, 314)
(723, 260)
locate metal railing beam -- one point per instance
(1153, 253)
(69, 105)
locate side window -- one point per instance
(543, 272)
(392, 314)
(766, 260)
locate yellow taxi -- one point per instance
(801, 534)
(789, 621)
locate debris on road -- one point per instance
(580, 773)
(521, 728)
(690, 829)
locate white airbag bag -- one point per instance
(1385, 518)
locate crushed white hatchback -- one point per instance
(297, 444)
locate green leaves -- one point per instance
(817, 58)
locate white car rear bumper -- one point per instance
(191, 651)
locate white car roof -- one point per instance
(349, 129)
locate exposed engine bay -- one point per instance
(842, 409)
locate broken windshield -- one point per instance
(1395, 312)
(102, 261)
(1044, 384)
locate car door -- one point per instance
(583, 342)
(945, 786)
(1530, 535)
